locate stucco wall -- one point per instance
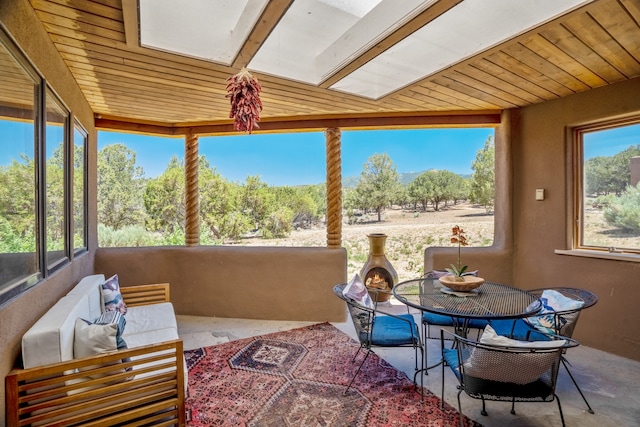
(542, 150)
(238, 282)
(494, 262)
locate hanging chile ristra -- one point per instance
(243, 91)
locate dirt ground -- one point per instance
(409, 233)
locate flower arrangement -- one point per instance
(458, 271)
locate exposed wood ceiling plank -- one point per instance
(94, 15)
(594, 45)
(535, 61)
(482, 99)
(504, 85)
(561, 37)
(622, 26)
(552, 53)
(481, 82)
(593, 35)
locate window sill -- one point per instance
(599, 254)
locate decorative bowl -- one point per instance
(469, 283)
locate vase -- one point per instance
(467, 284)
(378, 273)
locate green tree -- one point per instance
(379, 183)
(55, 199)
(436, 186)
(609, 174)
(256, 201)
(220, 208)
(164, 200)
(301, 204)
(120, 187)
(18, 205)
(483, 180)
(421, 188)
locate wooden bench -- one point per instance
(91, 391)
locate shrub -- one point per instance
(624, 211)
(130, 236)
(279, 224)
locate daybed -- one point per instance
(142, 384)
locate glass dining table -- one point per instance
(490, 301)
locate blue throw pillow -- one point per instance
(552, 302)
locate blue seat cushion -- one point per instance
(444, 320)
(389, 331)
(450, 356)
(518, 330)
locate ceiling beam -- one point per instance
(271, 15)
(426, 16)
(409, 120)
(130, 16)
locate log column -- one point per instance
(334, 188)
(192, 201)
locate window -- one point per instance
(56, 141)
(608, 187)
(43, 194)
(79, 189)
(19, 248)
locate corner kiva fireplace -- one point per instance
(378, 273)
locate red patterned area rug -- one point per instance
(297, 378)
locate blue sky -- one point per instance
(299, 158)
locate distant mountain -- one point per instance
(405, 178)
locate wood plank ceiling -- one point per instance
(127, 85)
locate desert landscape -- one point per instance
(409, 233)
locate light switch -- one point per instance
(540, 194)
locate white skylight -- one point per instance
(470, 27)
(316, 38)
(205, 29)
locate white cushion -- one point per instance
(490, 337)
(515, 367)
(154, 336)
(90, 286)
(50, 339)
(144, 318)
(357, 291)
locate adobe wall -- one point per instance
(542, 150)
(276, 283)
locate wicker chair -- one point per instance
(563, 323)
(524, 373)
(376, 328)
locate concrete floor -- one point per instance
(609, 382)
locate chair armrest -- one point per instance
(146, 294)
(97, 390)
